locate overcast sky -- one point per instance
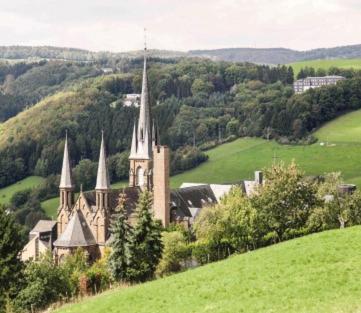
(117, 25)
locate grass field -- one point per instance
(314, 274)
(239, 159)
(326, 64)
(29, 182)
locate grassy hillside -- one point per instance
(29, 182)
(317, 273)
(238, 159)
(326, 64)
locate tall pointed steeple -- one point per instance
(144, 125)
(65, 180)
(103, 175)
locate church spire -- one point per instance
(103, 175)
(144, 126)
(65, 180)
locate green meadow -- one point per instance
(27, 183)
(327, 63)
(313, 274)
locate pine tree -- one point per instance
(145, 249)
(11, 244)
(120, 231)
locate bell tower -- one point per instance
(66, 189)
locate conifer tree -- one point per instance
(11, 244)
(120, 231)
(145, 249)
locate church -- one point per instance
(85, 222)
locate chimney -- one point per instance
(258, 177)
(161, 190)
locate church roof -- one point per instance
(43, 226)
(65, 179)
(103, 175)
(77, 233)
(187, 199)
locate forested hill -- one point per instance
(254, 55)
(278, 55)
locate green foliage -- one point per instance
(45, 282)
(145, 245)
(11, 244)
(85, 173)
(175, 253)
(120, 230)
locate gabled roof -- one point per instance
(43, 226)
(77, 233)
(189, 198)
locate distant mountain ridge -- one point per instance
(254, 55)
(278, 55)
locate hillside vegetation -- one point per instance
(255, 55)
(317, 273)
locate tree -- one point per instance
(285, 202)
(174, 253)
(45, 282)
(11, 244)
(120, 230)
(145, 245)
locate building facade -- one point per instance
(302, 85)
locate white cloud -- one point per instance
(180, 25)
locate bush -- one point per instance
(175, 253)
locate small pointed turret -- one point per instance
(103, 175)
(133, 149)
(65, 180)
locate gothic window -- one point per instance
(140, 176)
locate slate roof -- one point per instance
(43, 226)
(77, 233)
(189, 198)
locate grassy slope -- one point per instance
(29, 182)
(316, 273)
(326, 64)
(238, 159)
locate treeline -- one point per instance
(309, 71)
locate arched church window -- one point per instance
(140, 176)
